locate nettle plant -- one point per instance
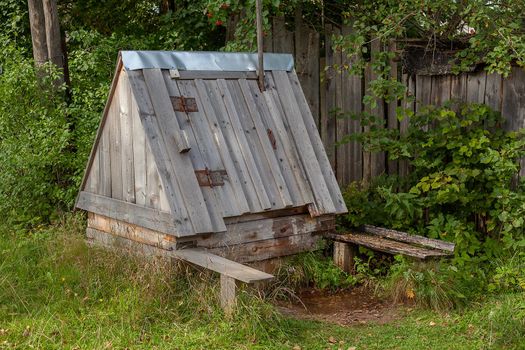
(463, 185)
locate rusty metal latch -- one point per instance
(184, 104)
(211, 178)
(271, 136)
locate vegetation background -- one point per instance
(55, 293)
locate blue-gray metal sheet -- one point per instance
(204, 61)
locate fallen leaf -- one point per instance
(296, 347)
(332, 340)
(410, 293)
(352, 348)
(432, 323)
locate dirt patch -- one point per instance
(349, 307)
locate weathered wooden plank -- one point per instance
(441, 89)
(458, 88)
(476, 83)
(256, 146)
(203, 74)
(234, 182)
(341, 125)
(317, 145)
(307, 62)
(275, 121)
(392, 121)
(139, 153)
(263, 229)
(228, 294)
(270, 248)
(367, 160)
(156, 154)
(323, 199)
(233, 146)
(377, 159)
(226, 267)
(352, 105)
(115, 150)
(234, 120)
(343, 255)
(127, 212)
(264, 141)
(387, 245)
(409, 103)
(132, 232)
(494, 91)
(283, 40)
(126, 134)
(328, 120)
(181, 168)
(219, 200)
(93, 181)
(406, 238)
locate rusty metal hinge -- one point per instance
(211, 178)
(271, 136)
(184, 104)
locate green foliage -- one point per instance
(462, 182)
(34, 139)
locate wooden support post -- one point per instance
(228, 294)
(344, 254)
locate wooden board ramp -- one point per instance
(386, 241)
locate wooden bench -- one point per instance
(386, 241)
(230, 272)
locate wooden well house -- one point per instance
(192, 160)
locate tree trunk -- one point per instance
(54, 38)
(38, 32)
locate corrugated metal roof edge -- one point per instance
(204, 61)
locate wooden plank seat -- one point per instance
(387, 241)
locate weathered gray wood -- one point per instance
(288, 153)
(263, 229)
(126, 134)
(202, 74)
(323, 200)
(104, 162)
(132, 232)
(256, 146)
(392, 121)
(352, 105)
(270, 248)
(234, 184)
(458, 88)
(328, 121)
(307, 62)
(377, 159)
(341, 125)
(367, 160)
(270, 155)
(115, 149)
(93, 182)
(476, 83)
(205, 155)
(494, 91)
(182, 171)
(409, 104)
(260, 48)
(156, 147)
(343, 255)
(127, 212)
(387, 245)
(234, 120)
(283, 40)
(228, 293)
(38, 31)
(221, 265)
(406, 238)
(139, 154)
(317, 144)
(233, 146)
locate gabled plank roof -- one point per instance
(265, 147)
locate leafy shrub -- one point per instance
(34, 139)
(462, 185)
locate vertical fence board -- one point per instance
(392, 122)
(327, 117)
(282, 37)
(493, 91)
(377, 159)
(476, 87)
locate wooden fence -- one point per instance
(341, 92)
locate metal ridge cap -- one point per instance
(204, 60)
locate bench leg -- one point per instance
(344, 254)
(228, 294)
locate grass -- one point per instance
(55, 293)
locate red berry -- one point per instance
(209, 14)
(218, 23)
